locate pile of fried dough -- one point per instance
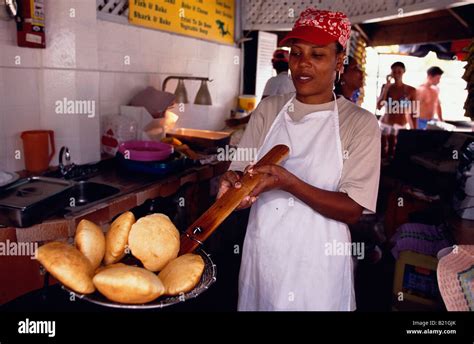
(94, 260)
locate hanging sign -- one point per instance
(207, 19)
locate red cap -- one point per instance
(320, 27)
(281, 55)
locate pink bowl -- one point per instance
(145, 150)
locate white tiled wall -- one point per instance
(86, 59)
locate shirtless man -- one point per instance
(428, 95)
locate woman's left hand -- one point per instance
(274, 177)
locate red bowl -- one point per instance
(145, 150)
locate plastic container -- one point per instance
(247, 102)
(145, 150)
(38, 149)
(117, 129)
(176, 162)
(415, 278)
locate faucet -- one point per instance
(65, 155)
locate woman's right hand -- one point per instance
(232, 179)
(389, 78)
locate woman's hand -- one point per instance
(232, 179)
(274, 177)
(332, 204)
(381, 101)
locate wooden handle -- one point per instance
(208, 222)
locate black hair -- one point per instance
(338, 87)
(398, 64)
(281, 66)
(349, 60)
(338, 83)
(433, 71)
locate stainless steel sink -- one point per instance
(31, 200)
(86, 193)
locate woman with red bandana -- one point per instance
(295, 253)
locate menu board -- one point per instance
(267, 44)
(207, 19)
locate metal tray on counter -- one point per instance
(201, 140)
(29, 200)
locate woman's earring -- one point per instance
(338, 76)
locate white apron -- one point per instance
(286, 261)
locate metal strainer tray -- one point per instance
(207, 279)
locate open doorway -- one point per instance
(452, 87)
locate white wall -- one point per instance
(84, 60)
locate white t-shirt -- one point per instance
(360, 143)
(280, 84)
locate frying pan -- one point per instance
(207, 279)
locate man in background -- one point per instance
(282, 83)
(428, 95)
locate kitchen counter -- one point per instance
(135, 189)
